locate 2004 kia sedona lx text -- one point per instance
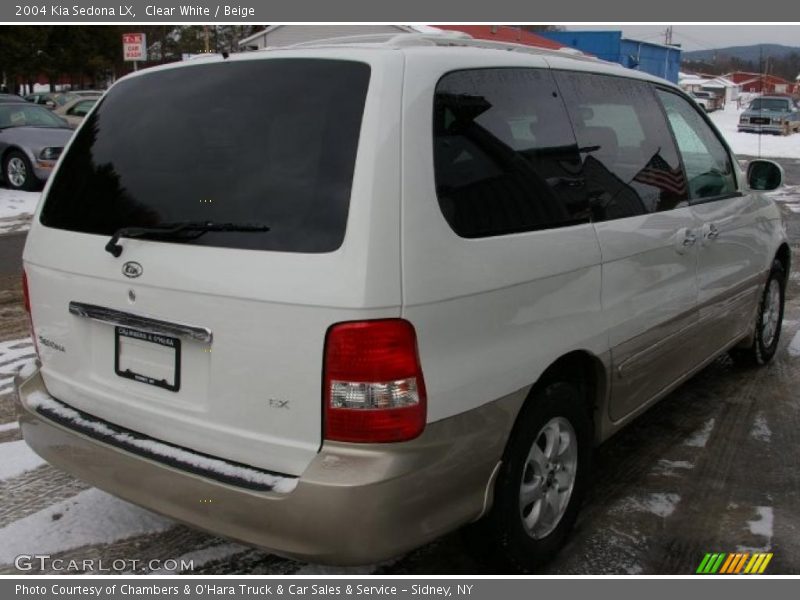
(406, 282)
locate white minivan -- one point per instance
(337, 300)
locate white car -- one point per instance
(395, 286)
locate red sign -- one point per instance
(134, 46)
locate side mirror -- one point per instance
(764, 175)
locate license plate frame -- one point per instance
(152, 338)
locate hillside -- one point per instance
(744, 53)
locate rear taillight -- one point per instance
(26, 300)
(373, 385)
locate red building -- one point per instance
(762, 84)
(505, 33)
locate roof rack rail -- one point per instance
(444, 39)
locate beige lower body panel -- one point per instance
(355, 504)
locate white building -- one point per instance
(721, 86)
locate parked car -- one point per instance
(10, 98)
(707, 100)
(51, 99)
(85, 93)
(75, 110)
(31, 140)
(771, 114)
(458, 269)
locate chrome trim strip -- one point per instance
(148, 324)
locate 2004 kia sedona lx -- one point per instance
(403, 282)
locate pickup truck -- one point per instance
(708, 101)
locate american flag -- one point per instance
(658, 173)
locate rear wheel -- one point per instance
(542, 480)
(769, 320)
(18, 172)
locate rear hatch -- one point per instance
(213, 340)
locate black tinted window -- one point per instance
(258, 141)
(505, 156)
(630, 163)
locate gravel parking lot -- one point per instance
(712, 468)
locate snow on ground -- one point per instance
(12, 426)
(699, 438)
(762, 526)
(13, 355)
(672, 467)
(753, 144)
(91, 517)
(16, 458)
(794, 346)
(760, 430)
(659, 504)
(200, 558)
(16, 209)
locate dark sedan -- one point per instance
(31, 140)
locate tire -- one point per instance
(524, 535)
(18, 172)
(769, 319)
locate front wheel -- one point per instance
(543, 477)
(769, 320)
(18, 172)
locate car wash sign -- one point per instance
(134, 46)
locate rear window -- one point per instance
(269, 142)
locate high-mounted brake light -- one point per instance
(373, 385)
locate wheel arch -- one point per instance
(784, 256)
(583, 367)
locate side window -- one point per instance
(505, 156)
(708, 166)
(80, 109)
(630, 164)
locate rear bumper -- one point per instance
(355, 504)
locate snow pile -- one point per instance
(91, 517)
(279, 484)
(16, 209)
(16, 458)
(14, 355)
(753, 144)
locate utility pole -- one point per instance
(668, 36)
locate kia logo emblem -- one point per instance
(132, 269)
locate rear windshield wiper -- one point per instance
(175, 231)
